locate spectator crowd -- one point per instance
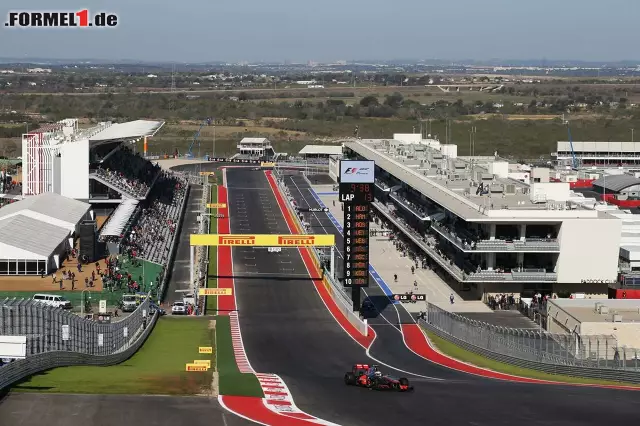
(152, 234)
(128, 172)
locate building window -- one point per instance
(32, 267)
(21, 267)
(22, 264)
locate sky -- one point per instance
(330, 30)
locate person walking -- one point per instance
(451, 299)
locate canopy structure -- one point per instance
(321, 150)
(616, 183)
(35, 233)
(25, 238)
(130, 130)
(48, 207)
(119, 219)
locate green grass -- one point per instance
(232, 381)
(211, 305)
(157, 368)
(149, 271)
(464, 355)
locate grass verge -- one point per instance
(157, 368)
(211, 305)
(232, 381)
(455, 351)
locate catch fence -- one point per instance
(57, 338)
(50, 329)
(596, 356)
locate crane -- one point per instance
(574, 161)
(196, 137)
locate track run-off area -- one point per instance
(287, 330)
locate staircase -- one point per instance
(117, 188)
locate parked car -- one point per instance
(178, 308)
(52, 300)
(129, 302)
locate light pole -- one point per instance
(213, 148)
(82, 300)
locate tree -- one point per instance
(369, 100)
(394, 100)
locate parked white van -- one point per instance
(52, 300)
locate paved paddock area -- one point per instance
(32, 409)
(36, 283)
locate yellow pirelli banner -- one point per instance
(196, 367)
(205, 362)
(216, 205)
(267, 164)
(215, 292)
(205, 349)
(207, 173)
(263, 240)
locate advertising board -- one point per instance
(274, 240)
(215, 292)
(195, 367)
(356, 171)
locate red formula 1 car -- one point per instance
(368, 376)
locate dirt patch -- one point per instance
(193, 383)
(10, 147)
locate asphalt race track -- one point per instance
(288, 331)
(179, 279)
(27, 409)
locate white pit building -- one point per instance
(491, 226)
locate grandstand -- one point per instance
(136, 205)
(148, 228)
(75, 163)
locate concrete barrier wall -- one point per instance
(333, 288)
